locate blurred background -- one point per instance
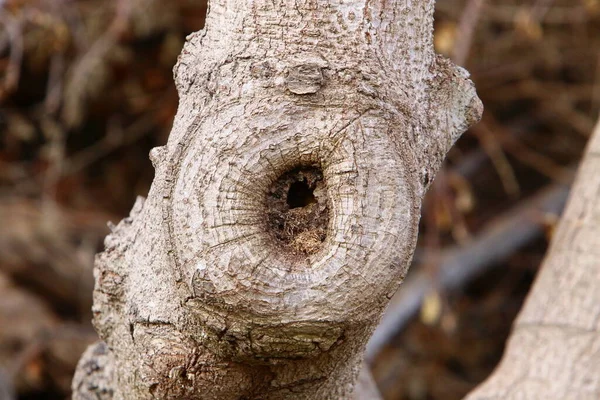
(86, 90)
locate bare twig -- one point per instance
(79, 86)
(7, 391)
(366, 388)
(595, 102)
(15, 35)
(50, 258)
(466, 29)
(113, 140)
(525, 155)
(540, 9)
(492, 147)
(55, 84)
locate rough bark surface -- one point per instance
(340, 108)
(554, 349)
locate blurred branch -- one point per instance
(7, 391)
(581, 123)
(495, 152)
(13, 69)
(505, 13)
(88, 74)
(115, 138)
(536, 160)
(55, 83)
(595, 102)
(54, 153)
(366, 388)
(62, 344)
(540, 9)
(50, 253)
(466, 29)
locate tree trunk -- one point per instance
(284, 211)
(554, 349)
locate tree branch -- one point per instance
(553, 351)
(458, 265)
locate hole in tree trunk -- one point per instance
(300, 195)
(297, 210)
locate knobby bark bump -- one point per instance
(285, 206)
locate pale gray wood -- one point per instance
(554, 349)
(366, 387)
(194, 298)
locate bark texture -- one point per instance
(554, 349)
(285, 206)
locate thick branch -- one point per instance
(460, 264)
(554, 350)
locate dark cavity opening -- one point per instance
(297, 210)
(300, 195)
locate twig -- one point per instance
(595, 102)
(466, 29)
(79, 87)
(525, 155)
(540, 9)
(55, 84)
(111, 142)
(7, 391)
(491, 146)
(52, 260)
(13, 70)
(459, 265)
(366, 388)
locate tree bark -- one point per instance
(285, 206)
(554, 349)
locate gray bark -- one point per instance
(227, 284)
(554, 349)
